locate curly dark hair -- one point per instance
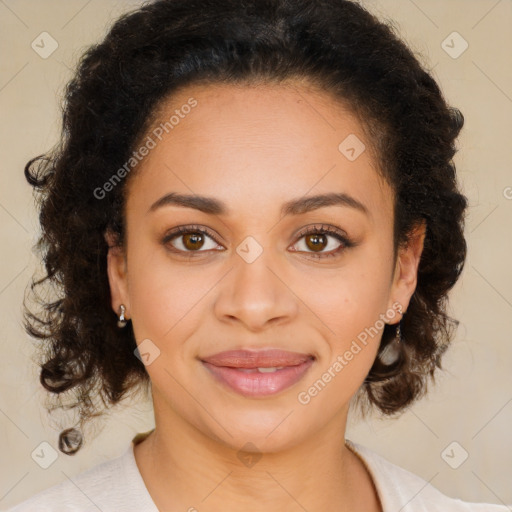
(335, 45)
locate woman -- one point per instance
(254, 213)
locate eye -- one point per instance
(190, 239)
(316, 238)
(314, 241)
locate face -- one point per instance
(257, 265)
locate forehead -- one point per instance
(251, 144)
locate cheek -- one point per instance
(353, 296)
(162, 308)
(350, 305)
(162, 295)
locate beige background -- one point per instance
(472, 402)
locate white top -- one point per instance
(117, 486)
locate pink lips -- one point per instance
(239, 370)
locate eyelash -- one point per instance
(323, 230)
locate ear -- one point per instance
(406, 269)
(117, 274)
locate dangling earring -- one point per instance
(392, 351)
(398, 335)
(122, 321)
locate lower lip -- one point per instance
(259, 384)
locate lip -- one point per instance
(237, 369)
(265, 358)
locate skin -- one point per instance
(254, 148)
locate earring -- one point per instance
(122, 320)
(391, 353)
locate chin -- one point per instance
(257, 430)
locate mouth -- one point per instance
(258, 373)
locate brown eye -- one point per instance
(193, 241)
(187, 239)
(322, 241)
(316, 242)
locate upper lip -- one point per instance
(267, 358)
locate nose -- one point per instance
(256, 294)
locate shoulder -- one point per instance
(109, 486)
(402, 490)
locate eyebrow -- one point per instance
(212, 206)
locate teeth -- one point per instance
(262, 370)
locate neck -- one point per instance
(184, 469)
